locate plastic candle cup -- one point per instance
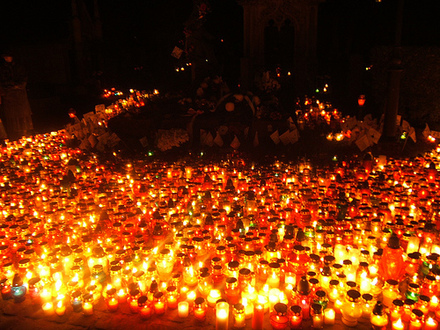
(248, 308)
(258, 318)
(183, 309)
(213, 296)
(48, 308)
(329, 316)
(60, 308)
(222, 316)
(398, 325)
(88, 304)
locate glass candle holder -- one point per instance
(317, 316)
(390, 292)
(416, 320)
(232, 290)
(379, 318)
(172, 297)
(273, 278)
(87, 304)
(200, 308)
(132, 300)
(367, 305)
(296, 316)
(159, 303)
(111, 300)
(351, 310)
(278, 317)
(18, 289)
(164, 264)
(144, 307)
(396, 310)
(6, 291)
(239, 316)
(76, 301)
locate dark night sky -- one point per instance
(157, 25)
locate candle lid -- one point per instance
(158, 295)
(34, 280)
(239, 308)
(142, 300)
(317, 308)
(367, 297)
(378, 308)
(417, 312)
(280, 308)
(199, 301)
(398, 302)
(334, 282)
(393, 242)
(296, 310)
(320, 294)
(353, 295)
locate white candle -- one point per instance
(222, 316)
(183, 309)
(273, 281)
(329, 316)
(431, 324)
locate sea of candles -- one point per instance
(223, 242)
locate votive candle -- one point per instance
(183, 309)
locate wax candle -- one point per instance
(45, 295)
(305, 306)
(183, 309)
(398, 325)
(48, 308)
(122, 295)
(258, 318)
(60, 308)
(213, 296)
(6, 292)
(329, 316)
(222, 316)
(273, 280)
(433, 304)
(88, 304)
(431, 324)
(248, 308)
(274, 297)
